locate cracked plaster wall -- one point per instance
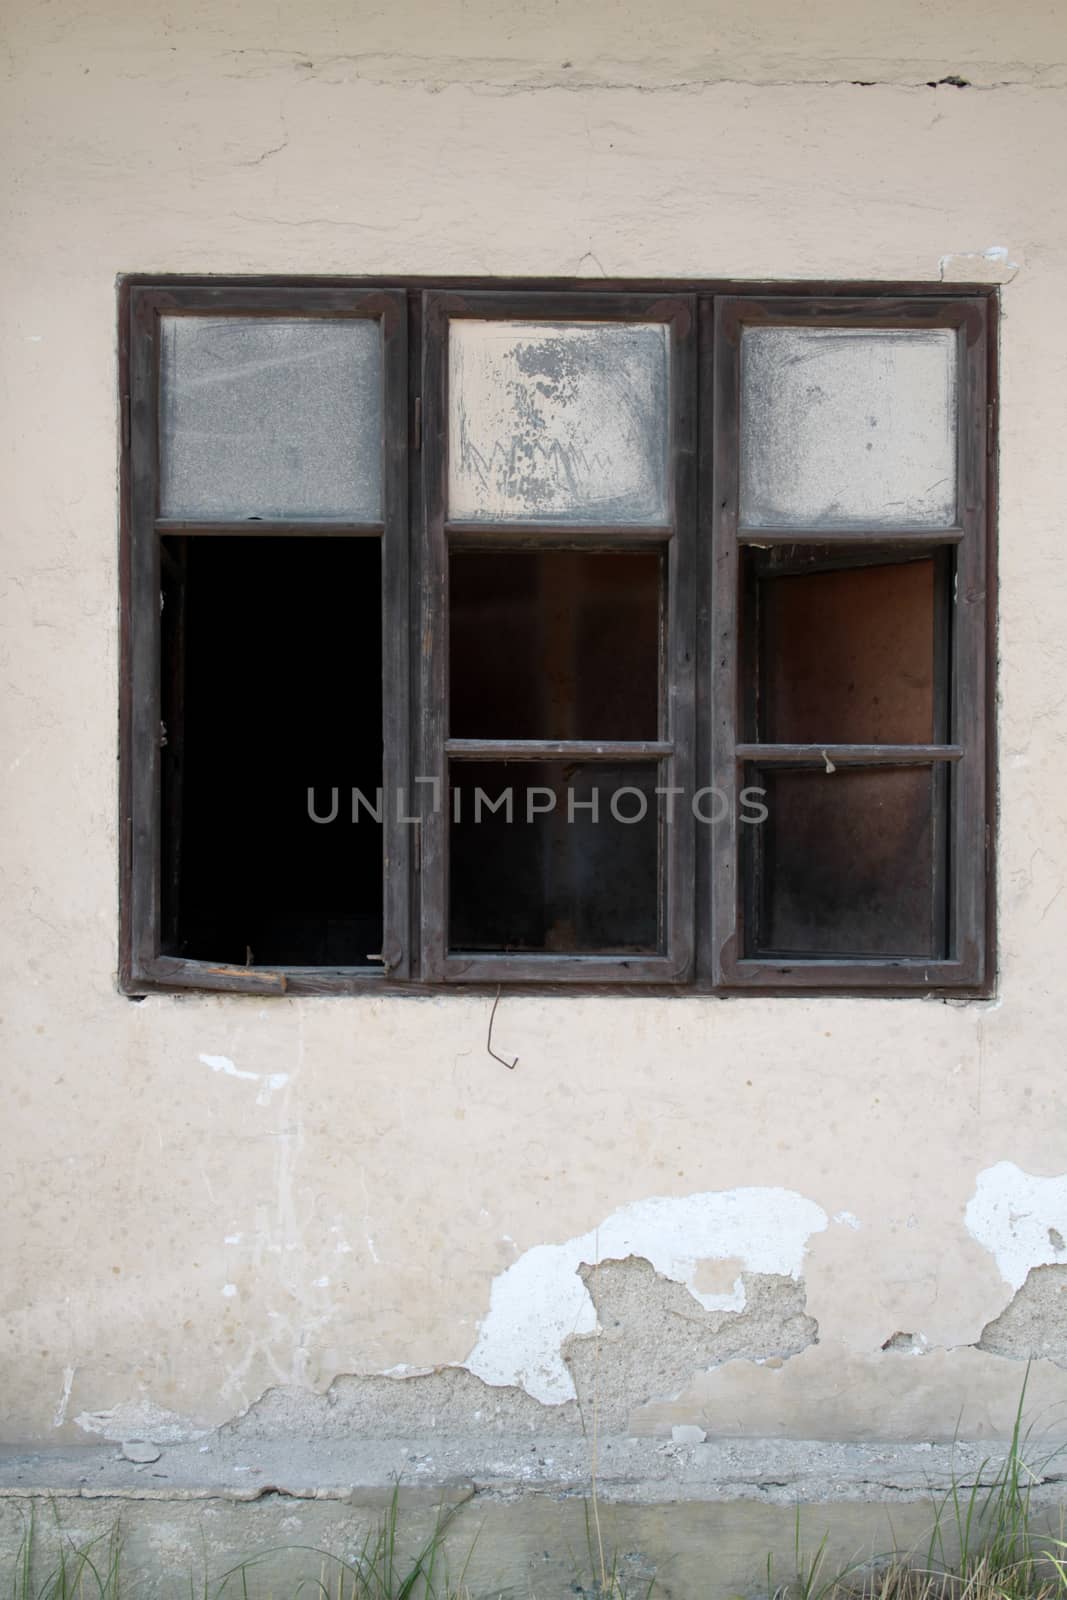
(181, 1239)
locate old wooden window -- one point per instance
(479, 635)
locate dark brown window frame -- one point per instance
(705, 912)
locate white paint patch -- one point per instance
(60, 1415)
(1020, 1219)
(229, 1290)
(540, 1301)
(847, 1219)
(271, 1081)
(232, 1238)
(322, 1283)
(992, 265)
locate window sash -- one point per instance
(441, 535)
(144, 962)
(965, 752)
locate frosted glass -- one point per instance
(558, 422)
(271, 417)
(843, 426)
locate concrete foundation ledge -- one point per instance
(700, 1517)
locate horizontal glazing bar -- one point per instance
(580, 535)
(319, 527)
(923, 538)
(865, 755)
(556, 749)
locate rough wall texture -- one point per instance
(180, 1239)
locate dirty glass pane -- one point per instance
(271, 417)
(558, 422)
(557, 876)
(848, 426)
(847, 656)
(554, 644)
(844, 864)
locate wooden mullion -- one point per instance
(968, 841)
(677, 854)
(142, 825)
(727, 917)
(397, 852)
(433, 632)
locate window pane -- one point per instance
(278, 691)
(271, 417)
(847, 656)
(843, 426)
(554, 644)
(846, 862)
(558, 422)
(542, 881)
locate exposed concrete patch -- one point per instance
(1034, 1323)
(446, 1400)
(653, 1336)
(945, 1395)
(542, 1300)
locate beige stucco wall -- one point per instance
(178, 1237)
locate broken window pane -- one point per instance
(554, 644)
(271, 417)
(564, 874)
(848, 863)
(847, 656)
(276, 691)
(558, 422)
(848, 427)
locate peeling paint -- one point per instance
(60, 1415)
(1018, 1217)
(540, 1300)
(139, 1419)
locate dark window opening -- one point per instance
(554, 644)
(272, 677)
(848, 648)
(849, 863)
(572, 867)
